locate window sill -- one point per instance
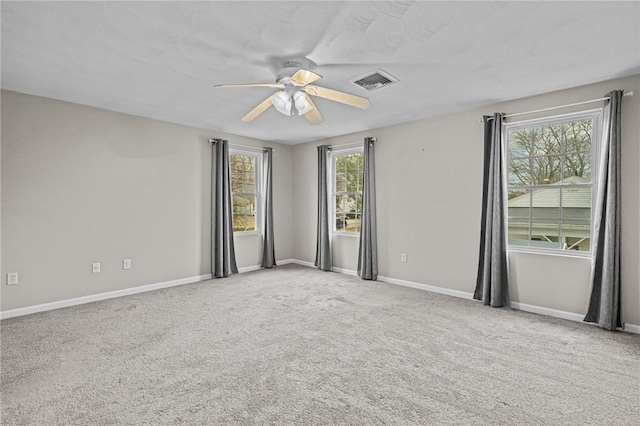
(347, 234)
(547, 252)
(246, 233)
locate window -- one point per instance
(245, 190)
(550, 182)
(347, 169)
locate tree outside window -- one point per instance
(550, 182)
(348, 180)
(244, 191)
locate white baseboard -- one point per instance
(258, 267)
(571, 316)
(117, 293)
(303, 263)
(100, 296)
(249, 269)
(431, 288)
(404, 283)
(631, 328)
(345, 271)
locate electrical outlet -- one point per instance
(12, 278)
(126, 264)
(403, 257)
(95, 268)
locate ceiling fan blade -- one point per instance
(313, 116)
(262, 107)
(250, 85)
(304, 77)
(335, 95)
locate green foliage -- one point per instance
(349, 179)
(349, 172)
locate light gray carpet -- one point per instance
(294, 345)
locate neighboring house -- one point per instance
(568, 229)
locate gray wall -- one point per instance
(83, 185)
(429, 189)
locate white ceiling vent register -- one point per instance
(375, 81)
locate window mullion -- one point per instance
(530, 218)
(562, 154)
(560, 233)
(562, 158)
(531, 149)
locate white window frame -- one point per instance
(258, 156)
(596, 137)
(332, 173)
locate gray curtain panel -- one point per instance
(268, 251)
(368, 252)
(492, 285)
(323, 248)
(604, 304)
(223, 262)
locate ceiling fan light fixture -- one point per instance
(301, 103)
(296, 91)
(282, 102)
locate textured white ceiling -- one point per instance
(161, 59)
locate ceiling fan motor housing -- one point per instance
(287, 71)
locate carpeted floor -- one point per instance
(294, 345)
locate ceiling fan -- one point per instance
(294, 99)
